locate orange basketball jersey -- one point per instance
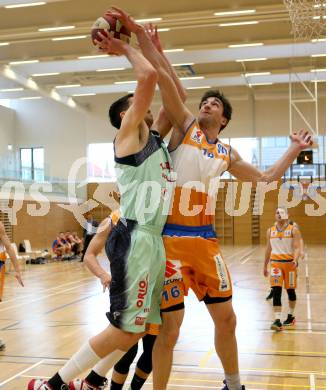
(199, 164)
(281, 243)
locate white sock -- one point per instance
(79, 362)
(233, 381)
(277, 315)
(291, 311)
(104, 365)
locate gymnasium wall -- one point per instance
(42, 231)
(7, 137)
(65, 133)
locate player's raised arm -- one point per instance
(128, 138)
(177, 112)
(247, 172)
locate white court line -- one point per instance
(247, 252)
(247, 257)
(308, 295)
(21, 372)
(312, 382)
(45, 289)
(40, 299)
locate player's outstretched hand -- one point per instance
(111, 45)
(151, 30)
(18, 276)
(127, 20)
(105, 280)
(303, 139)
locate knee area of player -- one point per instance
(291, 294)
(277, 295)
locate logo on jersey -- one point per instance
(275, 272)
(222, 274)
(142, 291)
(273, 233)
(172, 271)
(197, 135)
(140, 321)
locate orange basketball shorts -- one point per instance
(196, 263)
(283, 272)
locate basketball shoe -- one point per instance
(290, 321)
(81, 384)
(226, 386)
(277, 325)
(2, 345)
(42, 384)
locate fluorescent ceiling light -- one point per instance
(318, 55)
(84, 94)
(93, 56)
(68, 38)
(45, 74)
(258, 84)
(148, 20)
(318, 40)
(257, 74)
(238, 23)
(172, 50)
(56, 28)
(317, 70)
(231, 13)
(319, 17)
(125, 82)
(184, 64)
(251, 59)
(320, 5)
(109, 70)
(163, 29)
(318, 81)
(200, 87)
(31, 98)
(247, 44)
(67, 86)
(192, 78)
(4, 43)
(23, 62)
(25, 5)
(11, 89)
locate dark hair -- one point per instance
(227, 108)
(116, 109)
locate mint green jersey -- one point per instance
(145, 181)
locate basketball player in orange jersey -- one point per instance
(302, 254)
(283, 252)
(5, 247)
(192, 249)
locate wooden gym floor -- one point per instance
(62, 305)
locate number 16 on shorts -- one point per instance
(173, 294)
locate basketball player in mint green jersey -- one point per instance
(135, 245)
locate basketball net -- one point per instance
(308, 18)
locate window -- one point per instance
(32, 164)
(100, 162)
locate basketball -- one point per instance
(109, 25)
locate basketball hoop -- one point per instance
(308, 17)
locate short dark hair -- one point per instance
(116, 109)
(227, 108)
